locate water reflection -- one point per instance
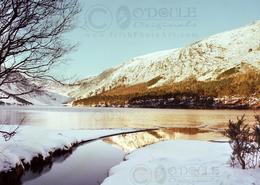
(88, 165)
(83, 118)
(130, 142)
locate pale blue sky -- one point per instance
(111, 32)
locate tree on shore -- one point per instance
(31, 38)
(244, 142)
(32, 41)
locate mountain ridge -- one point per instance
(210, 59)
(197, 69)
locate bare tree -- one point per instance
(31, 38)
(32, 42)
(7, 134)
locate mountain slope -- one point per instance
(9, 93)
(216, 57)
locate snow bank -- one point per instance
(30, 141)
(181, 163)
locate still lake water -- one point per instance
(89, 164)
(85, 118)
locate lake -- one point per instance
(92, 118)
(90, 163)
(87, 165)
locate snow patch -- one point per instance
(180, 162)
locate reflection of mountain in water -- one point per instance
(129, 142)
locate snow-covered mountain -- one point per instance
(205, 60)
(9, 93)
(224, 54)
(42, 97)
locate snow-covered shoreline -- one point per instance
(31, 142)
(181, 162)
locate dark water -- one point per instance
(87, 165)
(83, 118)
(90, 163)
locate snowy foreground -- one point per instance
(176, 162)
(181, 163)
(30, 141)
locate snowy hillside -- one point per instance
(206, 59)
(10, 93)
(43, 97)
